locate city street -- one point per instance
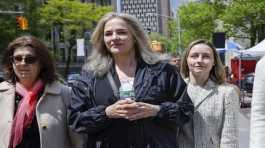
(244, 120)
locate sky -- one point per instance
(175, 3)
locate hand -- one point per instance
(121, 108)
(144, 110)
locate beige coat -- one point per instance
(50, 111)
(215, 120)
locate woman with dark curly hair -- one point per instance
(33, 103)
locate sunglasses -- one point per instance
(27, 59)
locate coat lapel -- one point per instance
(200, 94)
(50, 89)
(7, 99)
(7, 105)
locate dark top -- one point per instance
(31, 136)
(158, 84)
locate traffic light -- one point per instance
(156, 46)
(18, 20)
(22, 22)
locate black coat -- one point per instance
(158, 84)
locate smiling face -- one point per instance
(26, 65)
(117, 37)
(200, 60)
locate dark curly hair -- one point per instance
(47, 69)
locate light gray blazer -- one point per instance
(51, 113)
(257, 122)
(215, 120)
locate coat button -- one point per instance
(44, 126)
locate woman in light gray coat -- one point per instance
(216, 103)
(257, 122)
(33, 104)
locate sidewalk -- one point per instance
(244, 126)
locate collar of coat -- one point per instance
(49, 88)
(204, 92)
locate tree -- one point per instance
(245, 19)
(174, 42)
(8, 29)
(8, 23)
(197, 20)
(73, 17)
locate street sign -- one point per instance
(80, 47)
(11, 12)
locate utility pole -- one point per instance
(118, 5)
(179, 31)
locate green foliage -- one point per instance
(9, 4)
(173, 43)
(8, 28)
(241, 19)
(247, 17)
(72, 15)
(197, 20)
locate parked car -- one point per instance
(248, 81)
(71, 77)
(246, 90)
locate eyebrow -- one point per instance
(26, 55)
(117, 30)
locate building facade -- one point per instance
(98, 2)
(153, 14)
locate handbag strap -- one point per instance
(113, 85)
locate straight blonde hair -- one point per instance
(101, 59)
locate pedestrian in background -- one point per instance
(33, 104)
(175, 60)
(215, 120)
(257, 120)
(152, 103)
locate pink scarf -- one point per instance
(25, 111)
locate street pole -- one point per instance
(178, 29)
(239, 71)
(118, 4)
